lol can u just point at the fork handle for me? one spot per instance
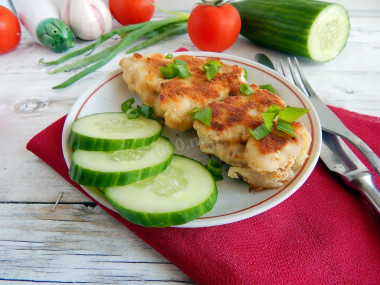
(367, 152)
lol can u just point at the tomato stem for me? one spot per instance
(216, 3)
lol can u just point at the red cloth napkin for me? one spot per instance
(325, 233)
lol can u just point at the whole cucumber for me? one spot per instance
(312, 29)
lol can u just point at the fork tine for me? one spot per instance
(306, 83)
(295, 77)
(280, 68)
(329, 121)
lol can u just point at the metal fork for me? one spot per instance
(329, 121)
(337, 156)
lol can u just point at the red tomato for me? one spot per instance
(214, 28)
(131, 11)
(10, 32)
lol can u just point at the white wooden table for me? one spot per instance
(79, 242)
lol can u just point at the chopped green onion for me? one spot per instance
(266, 128)
(127, 105)
(215, 167)
(176, 69)
(268, 120)
(274, 109)
(212, 68)
(145, 111)
(268, 87)
(245, 89)
(285, 119)
(285, 127)
(169, 56)
(245, 74)
(132, 113)
(168, 72)
(260, 132)
(290, 114)
(203, 115)
(181, 67)
(179, 62)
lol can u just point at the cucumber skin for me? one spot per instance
(167, 219)
(283, 25)
(161, 220)
(89, 177)
(79, 141)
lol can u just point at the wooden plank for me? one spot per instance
(76, 244)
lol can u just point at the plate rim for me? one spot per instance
(235, 216)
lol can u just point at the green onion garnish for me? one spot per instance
(274, 109)
(285, 119)
(268, 120)
(169, 56)
(203, 115)
(268, 87)
(260, 132)
(132, 114)
(127, 104)
(168, 72)
(176, 69)
(285, 127)
(215, 167)
(245, 74)
(211, 68)
(290, 114)
(245, 89)
(145, 111)
(182, 71)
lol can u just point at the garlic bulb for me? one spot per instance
(88, 19)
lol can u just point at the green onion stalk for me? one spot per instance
(153, 31)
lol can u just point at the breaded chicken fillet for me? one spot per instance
(173, 99)
(266, 163)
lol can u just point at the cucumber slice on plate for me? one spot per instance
(102, 169)
(113, 131)
(183, 192)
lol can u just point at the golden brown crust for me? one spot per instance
(266, 163)
(234, 116)
(273, 142)
(236, 110)
(198, 88)
(174, 99)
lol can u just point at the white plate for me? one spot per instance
(234, 202)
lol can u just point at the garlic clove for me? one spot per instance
(105, 15)
(88, 19)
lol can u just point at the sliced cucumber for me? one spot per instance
(113, 131)
(183, 192)
(329, 33)
(102, 169)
